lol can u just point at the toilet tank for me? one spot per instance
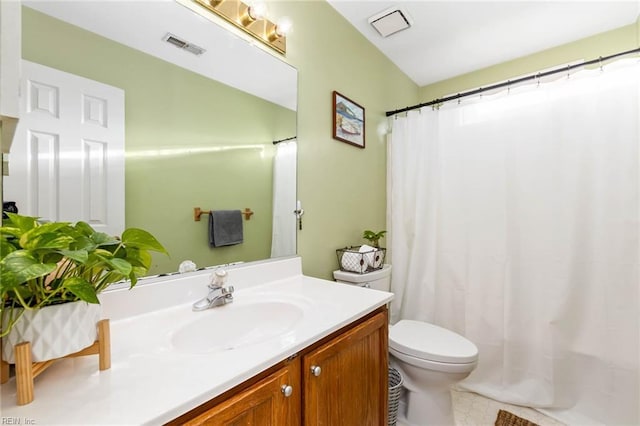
(379, 279)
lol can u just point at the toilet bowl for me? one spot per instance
(430, 359)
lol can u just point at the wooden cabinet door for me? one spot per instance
(263, 404)
(350, 388)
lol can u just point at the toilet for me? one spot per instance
(430, 358)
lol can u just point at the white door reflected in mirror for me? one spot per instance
(67, 159)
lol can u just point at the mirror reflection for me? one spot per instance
(191, 139)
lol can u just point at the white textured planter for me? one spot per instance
(54, 331)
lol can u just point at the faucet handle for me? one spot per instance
(218, 278)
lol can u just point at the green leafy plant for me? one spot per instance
(57, 262)
(373, 237)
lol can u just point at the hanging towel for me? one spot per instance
(225, 228)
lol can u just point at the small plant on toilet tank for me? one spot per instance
(373, 237)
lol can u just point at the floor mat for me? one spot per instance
(506, 418)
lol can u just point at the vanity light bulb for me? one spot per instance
(257, 11)
(283, 27)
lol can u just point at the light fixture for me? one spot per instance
(251, 18)
(256, 11)
(281, 29)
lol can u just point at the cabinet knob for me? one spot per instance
(287, 390)
(316, 370)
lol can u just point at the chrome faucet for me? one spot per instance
(218, 294)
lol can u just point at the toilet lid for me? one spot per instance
(430, 342)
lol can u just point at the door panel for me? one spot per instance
(44, 150)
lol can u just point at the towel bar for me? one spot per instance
(197, 212)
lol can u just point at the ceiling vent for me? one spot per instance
(391, 21)
(182, 44)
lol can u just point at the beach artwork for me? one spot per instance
(348, 120)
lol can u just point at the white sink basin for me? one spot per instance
(234, 325)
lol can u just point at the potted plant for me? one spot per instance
(373, 237)
(375, 259)
(55, 271)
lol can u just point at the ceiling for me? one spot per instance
(450, 37)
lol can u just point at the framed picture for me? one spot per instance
(348, 120)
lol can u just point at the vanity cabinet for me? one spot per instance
(345, 380)
(272, 401)
(340, 380)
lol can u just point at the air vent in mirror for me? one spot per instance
(183, 44)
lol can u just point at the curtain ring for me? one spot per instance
(568, 71)
(508, 87)
(459, 99)
(538, 80)
(600, 61)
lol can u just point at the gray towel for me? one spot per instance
(225, 228)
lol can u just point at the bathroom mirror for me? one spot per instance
(199, 129)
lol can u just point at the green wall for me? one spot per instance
(342, 187)
(182, 149)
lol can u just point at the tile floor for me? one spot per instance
(471, 409)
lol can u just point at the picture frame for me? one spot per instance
(348, 121)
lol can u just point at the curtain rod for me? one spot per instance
(284, 140)
(510, 82)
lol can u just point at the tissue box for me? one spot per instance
(351, 259)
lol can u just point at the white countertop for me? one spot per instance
(150, 380)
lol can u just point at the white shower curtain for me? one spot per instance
(514, 221)
(283, 239)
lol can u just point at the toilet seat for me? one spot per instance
(425, 364)
(419, 340)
